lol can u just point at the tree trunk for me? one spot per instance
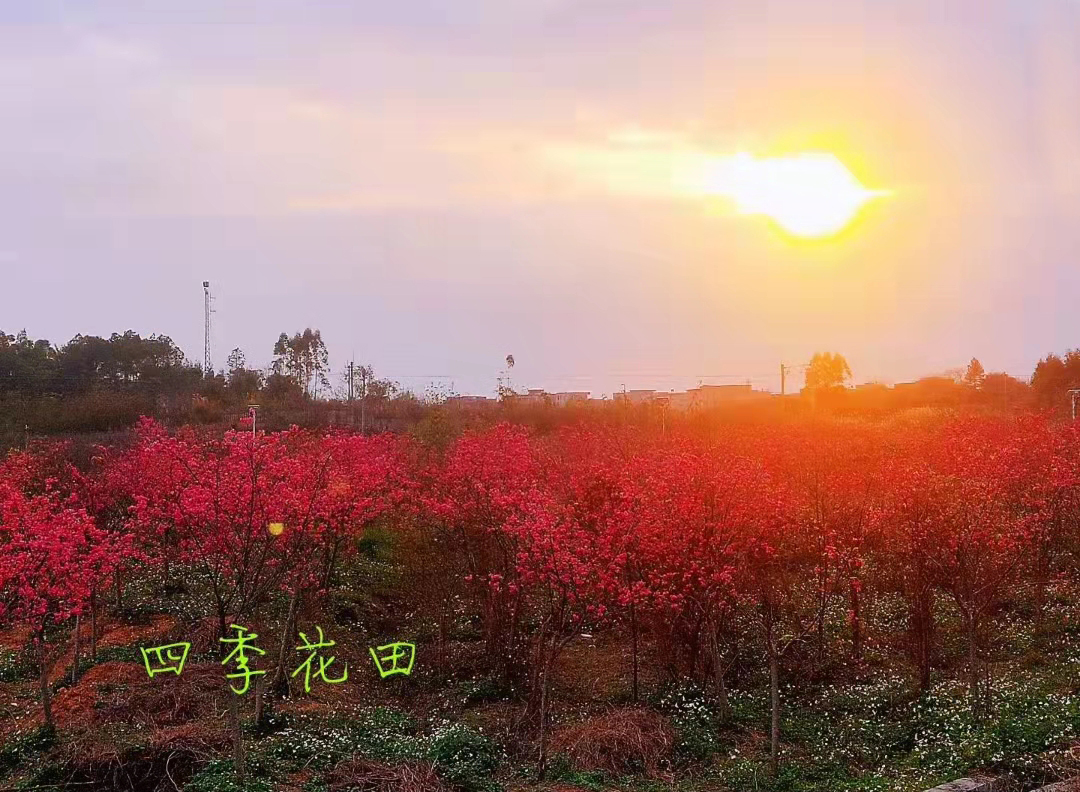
(1039, 628)
(774, 699)
(856, 623)
(280, 684)
(446, 616)
(222, 629)
(634, 649)
(260, 691)
(973, 664)
(718, 677)
(331, 562)
(550, 649)
(512, 674)
(93, 625)
(233, 711)
(821, 621)
(118, 590)
(1042, 582)
(43, 679)
(75, 652)
(237, 735)
(541, 769)
(921, 629)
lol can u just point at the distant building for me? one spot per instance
(470, 401)
(639, 396)
(682, 401)
(563, 398)
(709, 396)
(715, 395)
(703, 397)
(533, 396)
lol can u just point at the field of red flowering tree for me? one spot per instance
(591, 605)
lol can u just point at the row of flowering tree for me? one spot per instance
(685, 541)
(728, 552)
(247, 517)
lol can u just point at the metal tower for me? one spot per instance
(208, 363)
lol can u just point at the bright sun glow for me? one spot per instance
(808, 195)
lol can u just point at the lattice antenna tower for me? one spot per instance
(208, 308)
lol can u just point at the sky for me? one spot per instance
(436, 185)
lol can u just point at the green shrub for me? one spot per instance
(18, 749)
(482, 690)
(385, 733)
(272, 723)
(561, 769)
(464, 757)
(218, 776)
(380, 733)
(695, 720)
(16, 666)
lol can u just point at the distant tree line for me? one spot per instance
(1054, 377)
(96, 384)
(34, 368)
(90, 383)
(100, 384)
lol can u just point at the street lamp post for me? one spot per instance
(252, 410)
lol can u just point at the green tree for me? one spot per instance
(304, 359)
(242, 382)
(827, 370)
(1053, 378)
(27, 368)
(975, 374)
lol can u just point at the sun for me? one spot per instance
(808, 195)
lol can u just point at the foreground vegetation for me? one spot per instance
(802, 605)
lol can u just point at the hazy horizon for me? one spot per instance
(436, 187)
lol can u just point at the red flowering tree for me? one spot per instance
(680, 519)
(778, 569)
(333, 489)
(984, 536)
(832, 473)
(51, 558)
(486, 482)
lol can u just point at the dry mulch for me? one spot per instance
(16, 638)
(368, 776)
(135, 635)
(122, 693)
(619, 742)
(113, 634)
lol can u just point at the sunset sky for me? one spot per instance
(438, 184)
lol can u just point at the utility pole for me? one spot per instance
(785, 370)
(352, 423)
(363, 397)
(1075, 394)
(252, 409)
